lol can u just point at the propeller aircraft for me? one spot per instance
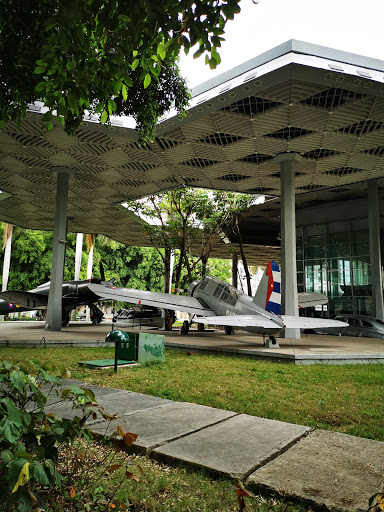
(75, 293)
(215, 302)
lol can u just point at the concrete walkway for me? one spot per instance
(324, 468)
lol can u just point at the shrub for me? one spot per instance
(30, 440)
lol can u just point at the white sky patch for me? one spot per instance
(348, 25)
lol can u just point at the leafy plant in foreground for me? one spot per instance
(31, 439)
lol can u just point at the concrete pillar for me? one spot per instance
(375, 249)
(235, 261)
(289, 300)
(54, 310)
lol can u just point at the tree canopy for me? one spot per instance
(134, 267)
(108, 57)
(192, 221)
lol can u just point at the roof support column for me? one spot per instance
(54, 310)
(375, 250)
(289, 300)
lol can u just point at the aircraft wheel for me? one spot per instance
(228, 330)
(96, 320)
(184, 328)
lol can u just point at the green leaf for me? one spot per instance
(99, 107)
(12, 411)
(147, 80)
(39, 69)
(37, 471)
(10, 430)
(18, 473)
(6, 455)
(124, 92)
(135, 63)
(111, 106)
(40, 86)
(17, 380)
(104, 117)
(128, 81)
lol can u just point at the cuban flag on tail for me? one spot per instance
(273, 299)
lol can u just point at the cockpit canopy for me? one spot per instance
(214, 287)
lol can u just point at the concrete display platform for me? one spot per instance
(310, 349)
(324, 468)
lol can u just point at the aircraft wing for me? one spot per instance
(25, 299)
(301, 322)
(157, 299)
(241, 321)
(308, 299)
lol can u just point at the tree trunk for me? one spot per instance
(243, 258)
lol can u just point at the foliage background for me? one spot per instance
(133, 267)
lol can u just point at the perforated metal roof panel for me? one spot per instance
(324, 104)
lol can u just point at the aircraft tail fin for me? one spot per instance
(268, 294)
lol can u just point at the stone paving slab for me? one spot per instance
(327, 469)
(166, 423)
(234, 447)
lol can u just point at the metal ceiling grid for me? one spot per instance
(293, 102)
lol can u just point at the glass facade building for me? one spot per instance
(333, 257)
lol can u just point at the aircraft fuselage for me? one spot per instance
(225, 300)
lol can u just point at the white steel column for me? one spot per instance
(289, 300)
(54, 310)
(78, 255)
(78, 258)
(375, 249)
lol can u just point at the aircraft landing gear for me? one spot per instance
(96, 314)
(228, 329)
(184, 328)
(65, 318)
(271, 342)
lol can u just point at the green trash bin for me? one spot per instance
(126, 345)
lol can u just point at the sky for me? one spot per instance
(349, 25)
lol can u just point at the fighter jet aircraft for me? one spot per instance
(216, 302)
(75, 293)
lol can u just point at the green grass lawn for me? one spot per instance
(346, 399)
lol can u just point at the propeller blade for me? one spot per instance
(102, 273)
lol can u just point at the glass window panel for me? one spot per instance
(299, 266)
(360, 236)
(342, 264)
(299, 252)
(363, 306)
(314, 240)
(361, 263)
(340, 306)
(338, 250)
(360, 249)
(339, 284)
(314, 252)
(338, 238)
(316, 276)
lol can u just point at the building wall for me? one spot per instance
(333, 256)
